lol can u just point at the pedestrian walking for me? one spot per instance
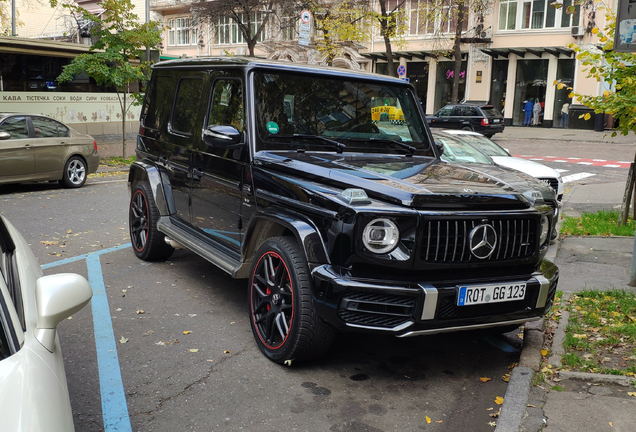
(528, 110)
(536, 112)
(565, 110)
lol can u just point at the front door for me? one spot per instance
(218, 165)
(17, 160)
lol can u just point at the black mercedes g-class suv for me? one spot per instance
(340, 218)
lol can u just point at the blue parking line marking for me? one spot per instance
(498, 343)
(114, 407)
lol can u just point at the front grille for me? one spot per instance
(552, 182)
(448, 309)
(448, 241)
(376, 310)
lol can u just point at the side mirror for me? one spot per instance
(440, 147)
(58, 297)
(5, 135)
(221, 135)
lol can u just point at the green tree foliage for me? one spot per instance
(615, 68)
(339, 23)
(121, 40)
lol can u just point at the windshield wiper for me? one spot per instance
(406, 146)
(338, 145)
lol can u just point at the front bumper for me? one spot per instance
(410, 308)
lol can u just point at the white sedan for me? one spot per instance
(33, 389)
(501, 157)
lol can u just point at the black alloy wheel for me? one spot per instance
(147, 242)
(282, 315)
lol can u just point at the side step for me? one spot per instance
(222, 257)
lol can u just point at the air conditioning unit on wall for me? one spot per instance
(577, 31)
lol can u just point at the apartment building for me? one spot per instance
(512, 53)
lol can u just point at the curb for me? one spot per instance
(515, 400)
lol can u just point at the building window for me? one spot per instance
(223, 30)
(171, 32)
(289, 28)
(535, 14)
(255, 21)
(420, 22)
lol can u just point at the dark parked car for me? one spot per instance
(38, 148)
(279, 173)
(481, 118)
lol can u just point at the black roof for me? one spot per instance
(257, 63)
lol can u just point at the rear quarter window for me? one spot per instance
(157, 103)
(187, 106)
(491, 112)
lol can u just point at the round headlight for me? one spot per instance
(544, 229)
(381, 236)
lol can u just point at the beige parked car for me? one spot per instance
(38, 148)
(33, 389)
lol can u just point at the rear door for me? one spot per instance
(17, 160)
(184, 129)
(441, 118)
(51, 145)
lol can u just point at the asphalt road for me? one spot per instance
(131, 366)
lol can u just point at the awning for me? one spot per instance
(410, 55)
(521, 52)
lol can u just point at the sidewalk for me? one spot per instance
(577, 135)
(589, 403)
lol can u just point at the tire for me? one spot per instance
(147, 242)
(467, 128)
(282, 315)
(74, 174)
(489, 136)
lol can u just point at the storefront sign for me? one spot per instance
(71, 108)
(478, 77)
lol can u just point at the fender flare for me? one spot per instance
(275, 222)
(140, 171)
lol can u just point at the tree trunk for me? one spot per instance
(385, 26)
(123, 127)
(457, 53)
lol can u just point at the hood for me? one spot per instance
(417, 182)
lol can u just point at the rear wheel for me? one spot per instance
(74, 174)
(147, 242)
(467, 128)
(282, 314)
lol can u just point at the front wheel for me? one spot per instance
(147, 242)
(74, 174)
(282, 314)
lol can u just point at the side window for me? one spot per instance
(226, 104)
(159, 95)
(48, 128)
(445, 112)
(16, 127)
(469, 112)
(187, 105)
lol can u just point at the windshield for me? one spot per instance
(309, 110)
(458, 151)
(485, 145)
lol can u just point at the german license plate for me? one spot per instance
(491, 293)
(495, 120)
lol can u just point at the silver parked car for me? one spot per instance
(33, 389)
(38, 148)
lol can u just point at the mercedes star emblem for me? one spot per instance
(482, 240)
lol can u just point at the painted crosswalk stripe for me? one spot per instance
(585, 163)
(577, 176)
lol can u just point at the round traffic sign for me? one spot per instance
(401, 70)
(305, 16)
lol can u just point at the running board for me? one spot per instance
(220, 256)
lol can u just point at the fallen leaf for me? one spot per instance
(287, 362)
(428, 419)
(140, 312)
(70, 317)
(544, 352)
(228, 351)
(118, 309)
(123, 340)
(484, 379)
(506, 378)
(69, 231)
(124, 290)
(611, 424)
(187, 332)
(439, 421)
(631, 394)
(492, 424)
(531, 406)
(194, 350)
(49, 242)
(495, 414)
(580, 336)
(499, 400)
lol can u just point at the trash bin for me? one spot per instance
(599, 122)
(576, 119)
